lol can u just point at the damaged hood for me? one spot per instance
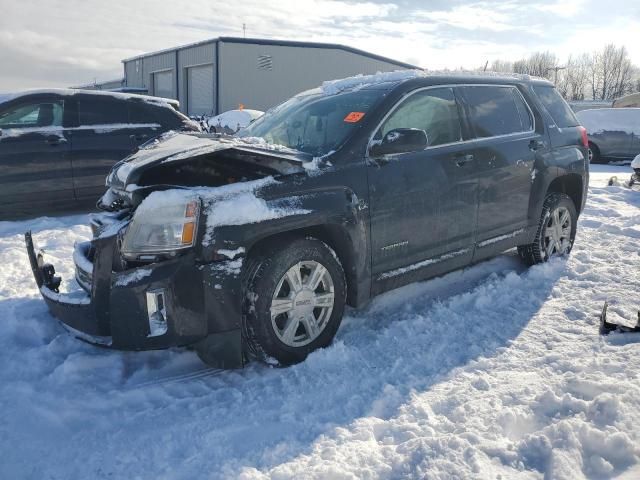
(174, 147)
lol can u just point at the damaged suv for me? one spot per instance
(251, 246)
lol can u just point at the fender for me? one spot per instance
(335, 215)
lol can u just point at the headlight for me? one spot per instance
(162, 225)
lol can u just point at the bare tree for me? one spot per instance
(611, 73)
(603, 75)
(539, 64)
(573, 80)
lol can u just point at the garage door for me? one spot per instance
(200, 90)
(163, 84)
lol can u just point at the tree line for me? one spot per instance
(603, 75)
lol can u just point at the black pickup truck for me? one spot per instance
(251, 246)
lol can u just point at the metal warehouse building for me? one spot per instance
(216, 75)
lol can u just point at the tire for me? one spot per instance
(285, 317)
(594, 153)
(542, 247)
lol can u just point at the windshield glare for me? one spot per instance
(315, 124)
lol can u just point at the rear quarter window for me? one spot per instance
(559, 110)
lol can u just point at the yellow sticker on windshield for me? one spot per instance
(354, 117)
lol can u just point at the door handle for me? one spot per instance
(462, 160)
(536, 144)
(139, 138)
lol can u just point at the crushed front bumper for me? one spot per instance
(175, 302)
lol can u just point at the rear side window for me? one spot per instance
(434, 110)
(495, 111)
(559, 110)
(101, 111)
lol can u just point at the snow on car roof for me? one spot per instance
(4, 97)
(599, 120)
(333, 87)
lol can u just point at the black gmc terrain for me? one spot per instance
(250, 246)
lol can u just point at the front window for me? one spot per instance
(316, 124)
(33, 115)
(434, 110)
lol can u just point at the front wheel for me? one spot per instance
(295, 300)
(556, 230)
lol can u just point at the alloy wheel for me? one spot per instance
(302, 303)
(557, 233)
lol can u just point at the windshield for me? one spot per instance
(316, 124)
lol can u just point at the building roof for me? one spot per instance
(283, 43)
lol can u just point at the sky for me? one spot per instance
(57, 43)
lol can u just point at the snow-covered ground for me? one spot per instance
(492, 372)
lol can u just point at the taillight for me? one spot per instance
(585, 137)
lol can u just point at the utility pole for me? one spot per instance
(555, 70)
(244, 30)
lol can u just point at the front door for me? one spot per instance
(423, 204)
(35, 165)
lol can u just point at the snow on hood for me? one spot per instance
(636, 162)
(601, 120)
(5, 97)
(173, 146)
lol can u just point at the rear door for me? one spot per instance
(102, 137)
(35, 164)
(505, 149)
(423, 204)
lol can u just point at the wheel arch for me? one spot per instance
(571, 185)
(339, 239)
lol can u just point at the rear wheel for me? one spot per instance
(295, 301)
(556, 230)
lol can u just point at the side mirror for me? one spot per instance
(400, 140)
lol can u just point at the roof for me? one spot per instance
(282, 43)
(75, 91)
(389, 80)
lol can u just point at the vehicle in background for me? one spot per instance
(632, 100)
(250, 246)
(232, 121)
(58, 145)
(614, 133)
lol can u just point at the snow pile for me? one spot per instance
(495, 371)
(233, 120)
(333, 87)
(133, 277)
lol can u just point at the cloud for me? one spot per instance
(67, 42)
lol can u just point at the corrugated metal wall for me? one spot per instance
(139, 72)
(261, 76)
(256, 75)
(203, 54)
